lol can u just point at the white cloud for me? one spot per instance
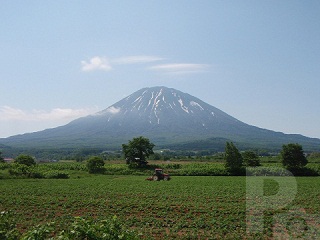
(102, 63)
(17, 121)
(113, 110)
(96, 63)
(8, 113)
(136, 59)
(180, 68)
(61, 113)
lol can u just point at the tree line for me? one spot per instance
(292, 156)
(138, 150)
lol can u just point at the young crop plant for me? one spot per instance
(189, 207)
(80, 229)
(8, 227)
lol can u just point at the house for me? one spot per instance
(8, 160)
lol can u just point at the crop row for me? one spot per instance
(174, 169)
(193, 207)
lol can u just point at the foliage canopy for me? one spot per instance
(1, 158)
(233, 158)
(25, 159)
(95, 165)
(292, 156)
(137, 151)
(250, 159)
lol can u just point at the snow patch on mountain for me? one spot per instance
(195, 104)
(183, 107)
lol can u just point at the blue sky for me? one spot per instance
(256, 60)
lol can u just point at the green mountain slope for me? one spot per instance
(166, 116)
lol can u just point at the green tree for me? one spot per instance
(233, 159)
(25, 159)
(292, 156)
(1, 158)
(314, 156)
(137, 151)
(250, 159)
(95, 165)
(156, 156)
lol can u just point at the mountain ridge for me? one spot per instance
(165, 115)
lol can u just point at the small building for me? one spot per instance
(8, 160)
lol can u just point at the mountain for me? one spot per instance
(165, 115)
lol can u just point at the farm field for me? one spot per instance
(198, 207)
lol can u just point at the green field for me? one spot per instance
(198, 207)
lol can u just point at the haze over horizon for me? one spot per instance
(256, 61)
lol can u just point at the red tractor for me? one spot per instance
(159, 175)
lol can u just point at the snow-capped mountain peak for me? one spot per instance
(161, 105)
(165, 115)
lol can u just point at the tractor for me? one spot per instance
(159, 175)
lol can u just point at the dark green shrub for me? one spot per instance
(233, 159)
(36, 175)
(292, 157)
(24, 171)
(95, 165)
(56, 175)
(250, 159)
(25, 159)
(1, 158)
(4, 166)
(17, 169)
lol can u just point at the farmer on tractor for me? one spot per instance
(159, 175)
